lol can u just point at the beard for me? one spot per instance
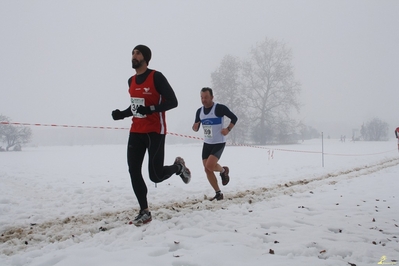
(136, 64)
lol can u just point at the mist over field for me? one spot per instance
(69, 62)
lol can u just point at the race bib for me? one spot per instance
(135, 103)
(207, 131)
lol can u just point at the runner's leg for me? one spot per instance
(135, 155)
(210, 164)
(156, 154)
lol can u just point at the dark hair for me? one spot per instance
(207, 89)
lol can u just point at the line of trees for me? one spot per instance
(13, 135)
(375, 130)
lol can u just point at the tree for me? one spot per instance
(272, 90)
(227, 88)
(13, 135)
(375, 130)
(307, 132)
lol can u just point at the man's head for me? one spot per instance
(207, 97)
(140, 53)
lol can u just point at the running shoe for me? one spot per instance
(144, 217)
(225, 176)
(218, 196)
(184, 173)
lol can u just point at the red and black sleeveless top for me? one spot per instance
(146, 94)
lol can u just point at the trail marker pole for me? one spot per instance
(322, 150)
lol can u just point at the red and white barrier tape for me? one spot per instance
(271, 151)
(55, 125)
(91, 127)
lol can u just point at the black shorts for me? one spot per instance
(212, 149)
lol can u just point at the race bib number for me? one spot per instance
(135, 103)
(207, 131)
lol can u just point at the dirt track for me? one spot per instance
(16, 239)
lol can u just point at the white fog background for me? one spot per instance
(67, 62)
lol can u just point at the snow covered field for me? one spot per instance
(72, 205)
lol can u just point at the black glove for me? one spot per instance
(144, 110)
(117, 114)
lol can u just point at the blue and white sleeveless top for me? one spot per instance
(212, 126)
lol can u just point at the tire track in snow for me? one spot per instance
(79, 228)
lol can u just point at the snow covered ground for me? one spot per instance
(72, 206)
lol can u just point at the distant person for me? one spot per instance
(211, 116)
(396, 134)
(150, 95)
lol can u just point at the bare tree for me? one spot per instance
(228, 89)
(272, 89)
(375, 130)
(13, 135)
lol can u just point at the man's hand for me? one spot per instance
(144, 110)
(117, 114)
(225, 131)
(196, 126)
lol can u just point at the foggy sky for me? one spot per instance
(68, 62)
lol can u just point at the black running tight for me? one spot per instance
(138, 144)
